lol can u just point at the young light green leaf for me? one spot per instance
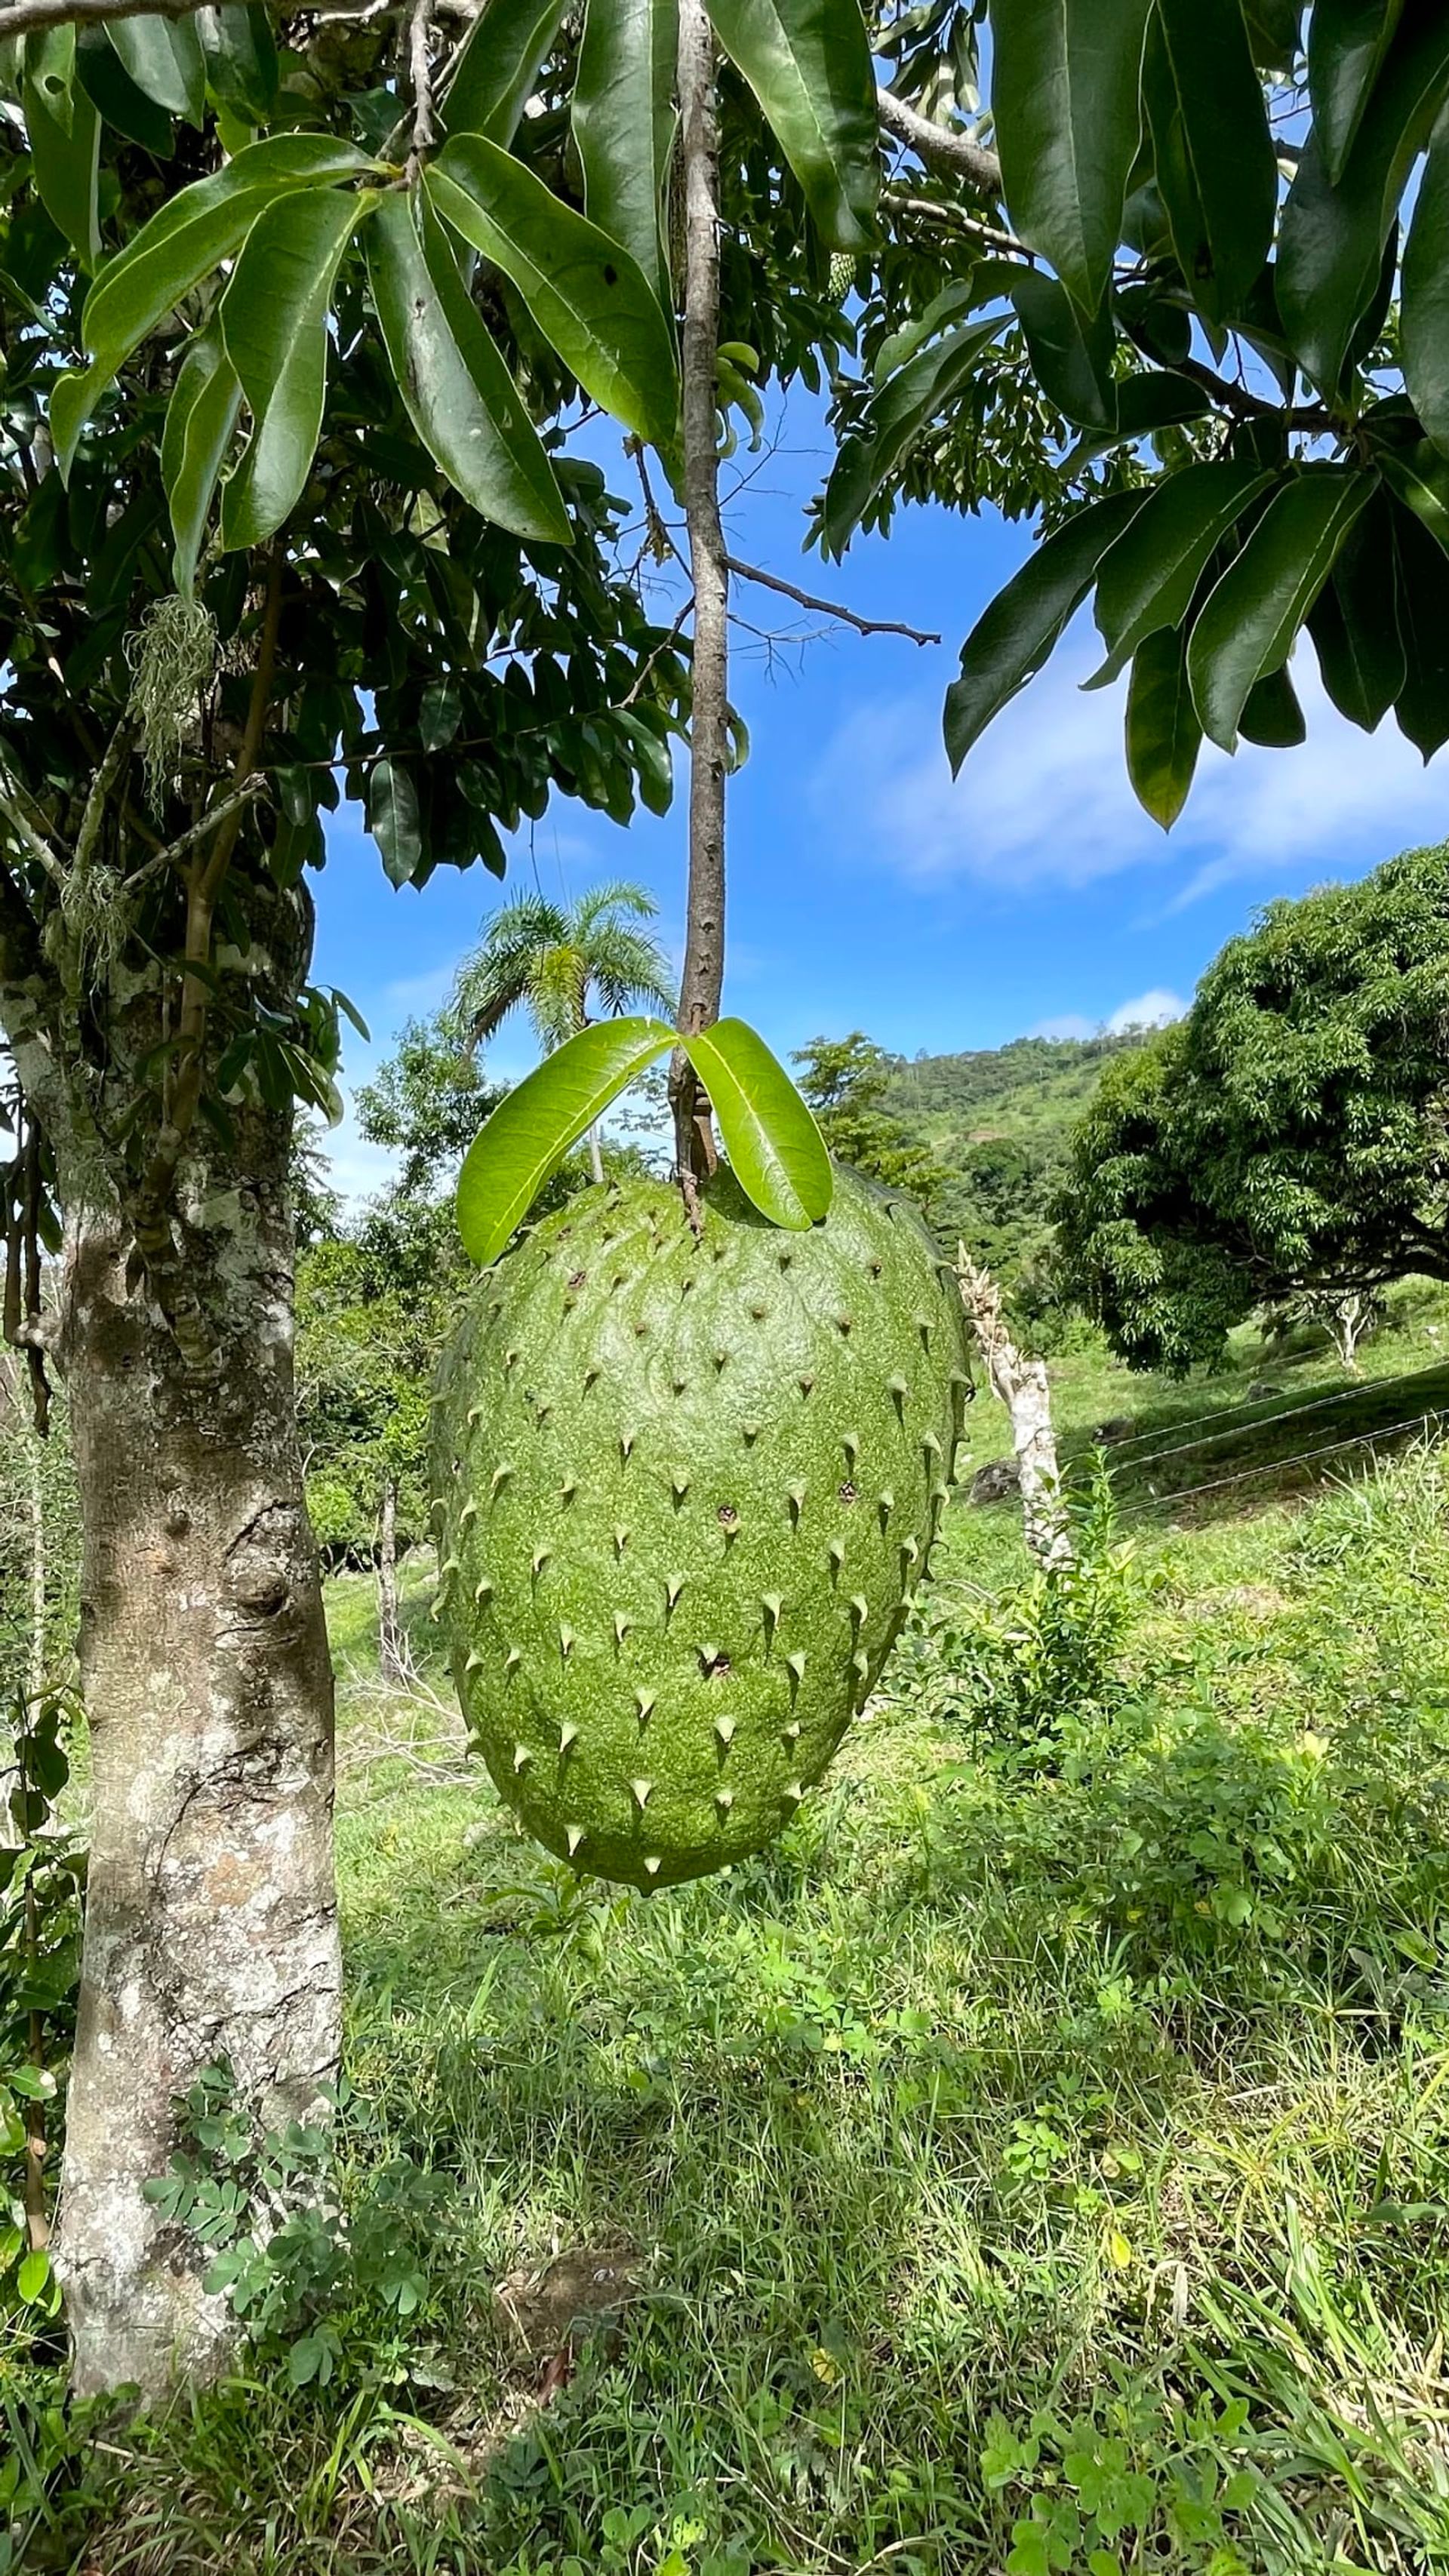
(1332, 238)
(809, 65)
(776, 1151)
(183, 242)
(1008, 645)
(534, 1125)
(201, 420)
(1065, 91)
(1163, 733)
(588, 296)
(623, 119)
(1200, 86)
(65, 156)
(899, 412)
(1348, 41)
(459, 394)
(1247, 627)
(499, 65)
(241, 59)
(163, 57)
(1424, 316)
(273, 319)
(1147, 577)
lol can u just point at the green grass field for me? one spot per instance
(1018, 2168)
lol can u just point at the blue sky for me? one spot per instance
(869, 891)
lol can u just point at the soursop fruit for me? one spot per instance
(685, 1486)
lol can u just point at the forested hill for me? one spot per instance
(998, 1120)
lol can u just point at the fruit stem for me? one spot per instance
(703, 977)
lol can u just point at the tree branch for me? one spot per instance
(934, 144)
(826, 607)
(931, 210)
(422, 78)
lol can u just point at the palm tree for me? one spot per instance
(554, 958)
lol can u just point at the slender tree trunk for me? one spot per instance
(37, 2220)
(1021, 1385)
(211, 1927)
(389, 1626)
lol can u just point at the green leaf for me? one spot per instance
(65, 155)
(273, 319)
(1065, 92)
(163, 57)
(459, 395)
(1247, 627)
(1272, 715)
(499, 65)
(623, 120)
(590, 299)
(1424, 314)
(32, 2276)
(1420, 477)
(111, 89)
(903, 407)
(1354, 622)
(394, 819)
(1147, 578)
(1072, 361)
(1163, 733)
(1148, 403)
(776, 1151)
(182, 243)
(1332, 238)
(1422, 706)
(201, 421)
(241, 60)
(1214, 158)
(1348, 41)
(533, 1127)
(809, 65)
(1008, 645)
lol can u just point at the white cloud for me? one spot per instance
(1067, 1024)
(1043, 800)
(1154, 1010)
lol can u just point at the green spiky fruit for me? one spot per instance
(685, 1486)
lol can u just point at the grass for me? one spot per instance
(1026, 2165)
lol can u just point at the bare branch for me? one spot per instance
(422, 78)
(956, 221)
(937, 145)
(826, 607)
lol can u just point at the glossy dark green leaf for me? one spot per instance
(1146, 404)
(1424, 316)
(1065, 93)
(273, 319)
(201, 421)
(462, 401)
(393, 818)
(1422, 707)
(589, 297)
(183, 242)
(111, 89)
(1272, 715)
(904, 406)
(1213, 153)
(163, 57)
(1147, 578)
(499, 66)
(776, 1151)
(1009, 644)
(65, 154)
(623, 120)
(1071, 358)
(1419, 477)
(1354, 622)
(1273, 32)
(1332, 238)
(809, 65)
(241, 60)
(1348, 41)
(532, 1128)
(1247, 627)
(1163, 733)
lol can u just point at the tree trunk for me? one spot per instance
(389, 1626)
(211, 1925)
(1021, 1385)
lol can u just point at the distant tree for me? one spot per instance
(846, 1081)
(1289, 1140)
(552, 960)
(426, 1103)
